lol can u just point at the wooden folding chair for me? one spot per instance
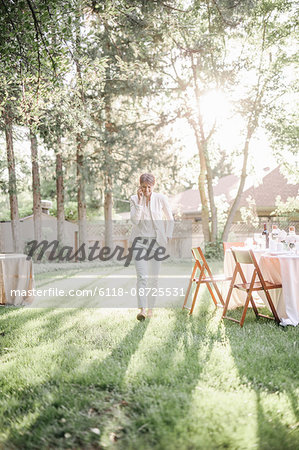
(244, 256)
(227, 245)
(205, 277)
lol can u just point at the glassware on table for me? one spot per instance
(273, 243)
(274, 233)
(265, 235)
(249, 242)
(291, 239)
(279, 246)
(257, 239)
(261, 243)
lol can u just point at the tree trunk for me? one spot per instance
(201, 143)
(235, 205)
(205, 213)
(108, 203)
(201, 185)
(81, 193)
(59, 194)
(80, 143)
(12, 184)
(209, 176)
(37, 207)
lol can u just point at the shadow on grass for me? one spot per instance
(13, 322)
(77, 396)
(90, 392)
(163, 387)
(266, 362)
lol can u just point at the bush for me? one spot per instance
(214, 250)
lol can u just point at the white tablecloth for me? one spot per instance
(16, 273)
(282, 269)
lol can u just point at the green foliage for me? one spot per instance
(23, 212)
(119, 74)
(70, 211)
(214, 250)
(288, 209)
(249, 214)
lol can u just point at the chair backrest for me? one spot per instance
(246, 256)
(200, 259)
(227, 245)
(198, 254)
(242, 256)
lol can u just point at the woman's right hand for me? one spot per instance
(139, 193)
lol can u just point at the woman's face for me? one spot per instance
(147, 189)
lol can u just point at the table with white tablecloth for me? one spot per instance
(283, 269)
(16, 279)
(277, 268)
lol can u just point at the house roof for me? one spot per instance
(189, 200)
(273, 184)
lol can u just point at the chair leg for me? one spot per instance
(198, 283)
(215, 287)
(212, 294)
(272, 307)
(194, 298)
(218, 293)
(187, 293)
(254, 307)
(245, 310)
(189, 286)
(229, 293)
(249, 299)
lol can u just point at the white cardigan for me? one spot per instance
(160, 210)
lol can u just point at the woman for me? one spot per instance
(147, 211)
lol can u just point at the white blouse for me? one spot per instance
(161, 218)
(146, 226)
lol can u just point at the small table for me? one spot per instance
(16, 279)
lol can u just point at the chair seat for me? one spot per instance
(257, 286)
(216, 278)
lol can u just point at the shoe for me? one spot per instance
(140, 316)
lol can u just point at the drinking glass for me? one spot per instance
(292, 244)
(256, 237)
(249, 242)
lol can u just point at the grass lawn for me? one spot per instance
(97, 378)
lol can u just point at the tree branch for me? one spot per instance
(38, 29)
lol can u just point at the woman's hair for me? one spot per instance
(147, 178)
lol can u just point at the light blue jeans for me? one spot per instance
(147, 274)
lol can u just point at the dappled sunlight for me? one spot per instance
(227, 419)
(220, 371)
(275, 416)
(168, 376)
(151, 352)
